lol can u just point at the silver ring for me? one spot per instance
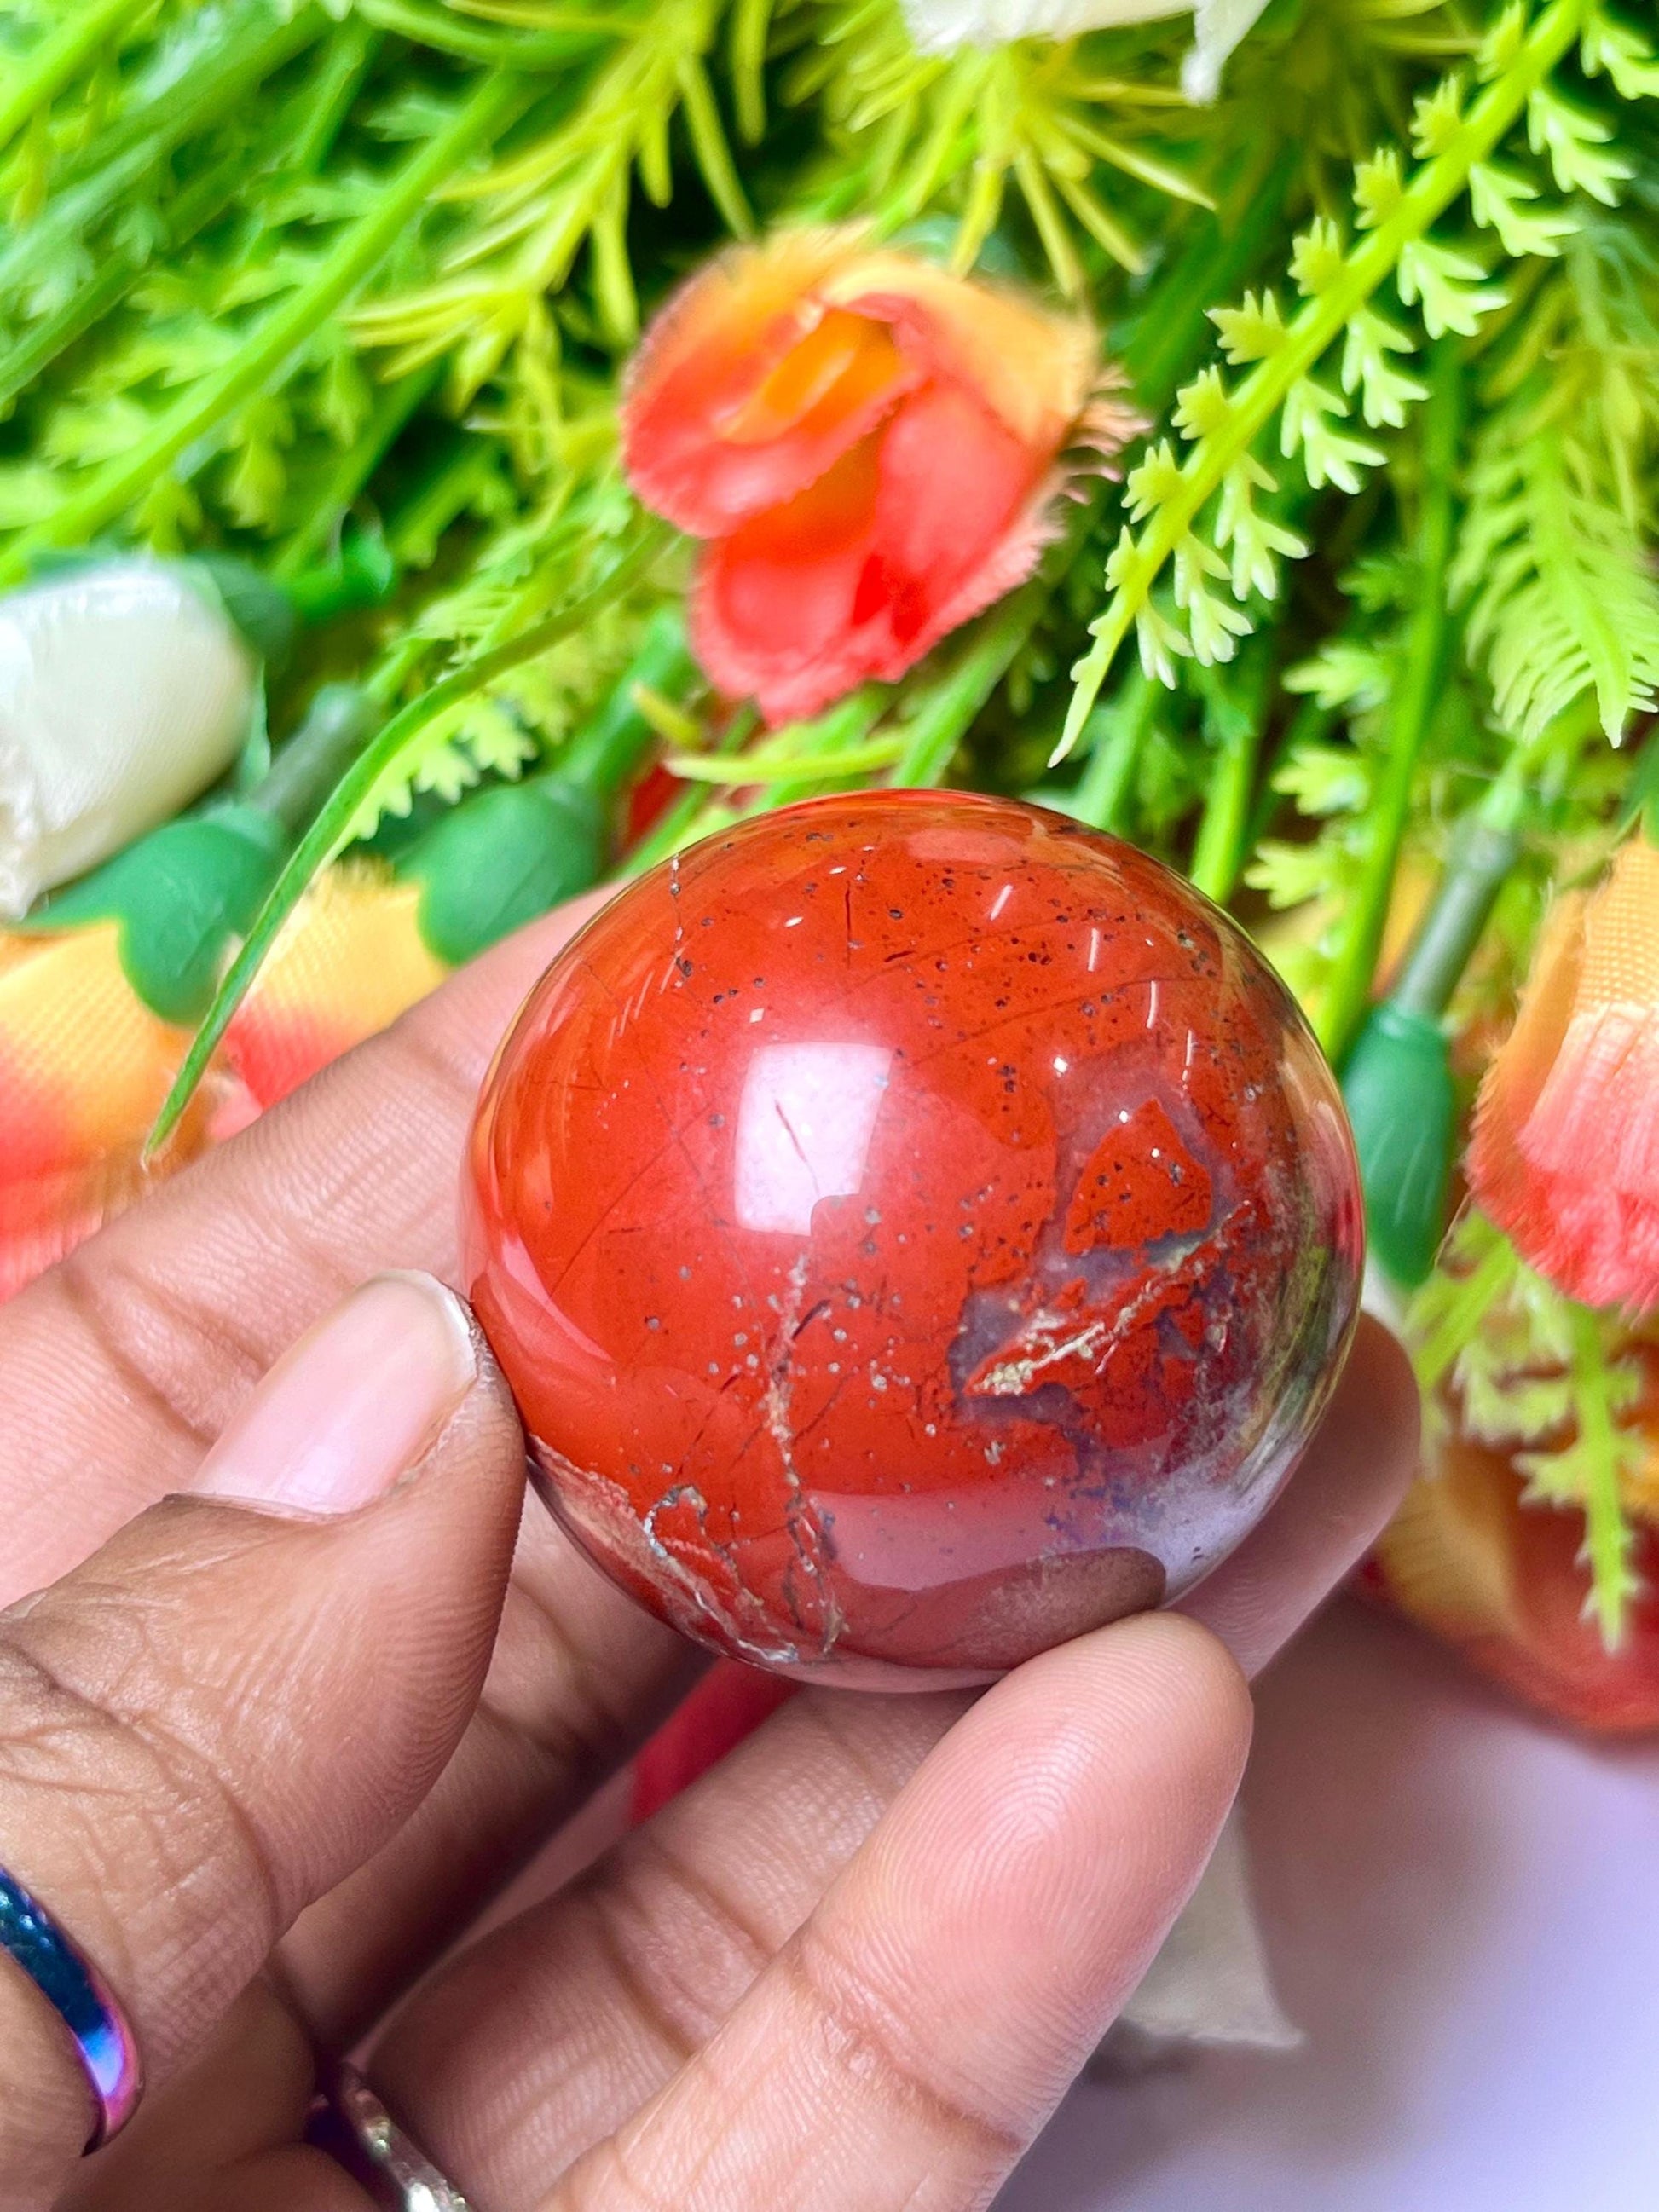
(355, 2128)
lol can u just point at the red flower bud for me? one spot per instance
(871, 447)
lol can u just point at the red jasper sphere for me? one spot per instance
(916, 1228)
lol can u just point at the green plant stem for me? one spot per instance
(1473, 1297)
(1348, 990)
(451, 33)
(1165, 342)
(1218, 853)
(1436, 185)
(829, 768)
(1118, 731)
(55, 61)
(843, 726)
(347, 61)
(949, 708)
(322, 839)
(304, 770)
(604, 752)
(142, 139)
(1607, 1534)
(1222, 845)
(1451, 929)
(88, 304)
(679, 822)
(353, 470)
(258, 363)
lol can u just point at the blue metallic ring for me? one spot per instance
(75, 1989)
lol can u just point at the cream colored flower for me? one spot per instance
(125, 691)
(939, 26)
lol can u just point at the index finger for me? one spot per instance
(120, 1366)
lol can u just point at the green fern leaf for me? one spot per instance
(1561, 596)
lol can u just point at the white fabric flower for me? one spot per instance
(939, 26)
(124, 692)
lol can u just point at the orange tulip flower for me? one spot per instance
(1565, 1154)
(871, 447)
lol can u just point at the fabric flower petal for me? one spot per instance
(123, 694)
(351, 960)
(84, 1065)
(870, 446)
(1505, 1582)
(750, 385)
(1031, 370)
(939, 27)
(1565, 1153)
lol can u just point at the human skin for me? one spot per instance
(268, 1763)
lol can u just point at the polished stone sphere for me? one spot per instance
(916, 1228)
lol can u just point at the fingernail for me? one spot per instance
(352, 1407)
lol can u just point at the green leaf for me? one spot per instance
(502, 858)
(1450, 286)
(1437, 117)
(1254, 332)
(1202, 407)
(180, 895)
(1626, 56)
(1575, 142)
(1561, 593)
(1255, 542)
(1328, 455)
(1316, 257)
(332, 823)
(1161, 643)
(1495, 197)
(1385, 394)
(1154, 479)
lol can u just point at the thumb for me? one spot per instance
(242, 1696)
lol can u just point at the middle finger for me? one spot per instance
(539, 2040)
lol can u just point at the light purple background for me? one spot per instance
(1462, 1906)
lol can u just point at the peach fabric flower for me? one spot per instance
(351, 960)
(84, 1064)
(1565, 1154)
(1504, 1581)
(871, 447)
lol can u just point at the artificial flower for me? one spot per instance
(1565, 1153)
(939, 26)
(1502, 1577)
(125, 689)
(84, 1065)
(351, 960)
(871, 447)
(98, 990)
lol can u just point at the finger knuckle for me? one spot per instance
(862, 2036)
(679, 1992)
(95, 1780)
(169, 1357)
